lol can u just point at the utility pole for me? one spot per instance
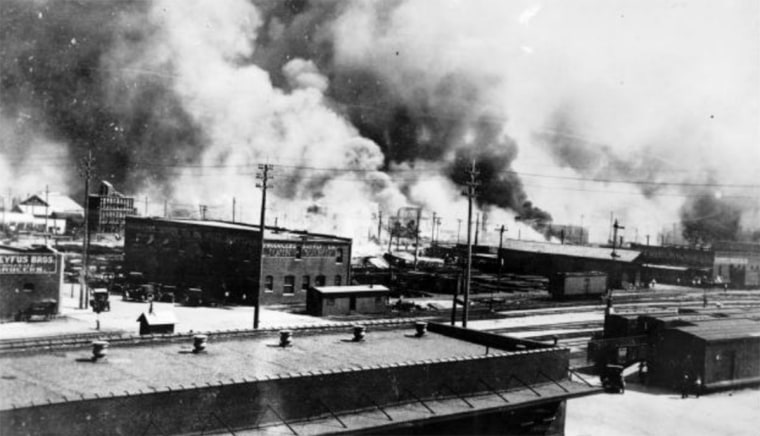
(398, 236)
(498, 255)
(166, 208)
(263, 176)
(379, 225)
(203, 208)
(233, 209)
(47, 212)
(647, 240)
(459, 229)
(146, 206)
(417, 236)
(477, 227)
(471, 185)
(432, 236)
(615, 228)
(86, 172)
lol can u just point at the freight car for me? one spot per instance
(587, 284)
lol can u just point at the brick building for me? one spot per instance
(28, 276)
(393, 381)
(223, 259)
(108, 210)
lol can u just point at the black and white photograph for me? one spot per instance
(380, 217)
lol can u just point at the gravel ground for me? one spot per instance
(645, 411)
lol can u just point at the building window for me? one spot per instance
(269, 284)
(338, 280)
(28, 287)
(320, 281)
(289, 285)
(305, 283)
(299, 251)
(339, 256)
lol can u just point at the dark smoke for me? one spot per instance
(54, 63)
(411, 124)
(565, 140)
(73, 63)
(706, 219)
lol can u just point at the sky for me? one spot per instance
(573, 111)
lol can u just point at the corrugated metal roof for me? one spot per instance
(586, 251)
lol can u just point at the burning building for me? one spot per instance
(108, 209)
(225, 259)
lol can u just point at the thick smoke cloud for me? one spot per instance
(57, 82)
(707, 218)
(180, 101)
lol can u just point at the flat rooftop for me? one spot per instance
(52, 375)
(271, 233)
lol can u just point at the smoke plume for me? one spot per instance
(383, 103)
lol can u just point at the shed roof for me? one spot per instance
(723, 330)
(158, 318)
(352, 290)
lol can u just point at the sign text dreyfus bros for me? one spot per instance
(27, 263)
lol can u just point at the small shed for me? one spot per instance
(343, 300)
(156, 322)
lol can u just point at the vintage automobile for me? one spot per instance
(46, 309)
(99, 301)
(613, 380)
(141, 292)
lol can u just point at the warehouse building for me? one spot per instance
(59, 212)
(398, 378)
(108, 210)
(223, 259)
(29, 277)
(622, 266)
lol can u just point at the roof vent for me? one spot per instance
(421, 328)
(286, 338)
(199, 343)
(99, 350)
(359, 333)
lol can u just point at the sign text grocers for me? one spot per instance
(27, 264)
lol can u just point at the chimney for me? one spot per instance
(199, 343)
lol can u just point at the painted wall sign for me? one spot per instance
(27, 264)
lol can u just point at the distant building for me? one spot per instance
(63, 213)
(108, 210)
(27, 276)
(566, 233)
(623, 269)
(223, 259)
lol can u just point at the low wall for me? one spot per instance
(247, 403)
(488, 339)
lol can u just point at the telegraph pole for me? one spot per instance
(471, 185)
(432, 235)
(263, 176)
(417, 236)
(379, 225)
(203, 208)
(86, 172)
(233, 209)
(47, 212)
(459, 229)
(498, 255)
(615, 228)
